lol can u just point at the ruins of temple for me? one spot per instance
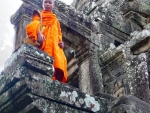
(107, 49)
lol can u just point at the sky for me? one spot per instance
(7, 9)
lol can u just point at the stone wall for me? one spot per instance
(125, 73)
(125, 15)
(123, 68)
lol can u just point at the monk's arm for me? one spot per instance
(32, 30)
(59, 31)
(60, 43)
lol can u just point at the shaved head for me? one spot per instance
(48, 5)
(43, 0)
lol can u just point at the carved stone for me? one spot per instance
(107, 49)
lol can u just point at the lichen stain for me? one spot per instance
(70, 96)
(91, 103)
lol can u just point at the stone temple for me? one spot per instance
(107, 48)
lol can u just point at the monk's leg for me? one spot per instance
(59, 74)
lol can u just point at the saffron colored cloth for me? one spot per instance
(53, 35)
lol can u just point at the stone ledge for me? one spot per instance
(41, 105)
(141, 46)
(30, 57)
(140, 41)
(44, 87)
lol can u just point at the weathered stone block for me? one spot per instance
(129, 104)
(41, 105)
(30, 57)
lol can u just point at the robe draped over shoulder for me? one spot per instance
(53, 35)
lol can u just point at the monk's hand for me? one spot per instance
(40, 38)
(61, 44)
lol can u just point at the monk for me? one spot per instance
(45, 30)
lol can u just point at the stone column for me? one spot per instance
(82, 56)
(90, 78)
(141, 84)
(84, 77)
(96, 75)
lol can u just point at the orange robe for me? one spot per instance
(53, 35)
